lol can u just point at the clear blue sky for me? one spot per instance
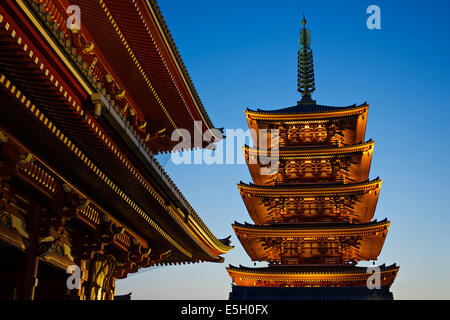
(243, 54)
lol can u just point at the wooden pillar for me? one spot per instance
(111, 289)
(28, 268)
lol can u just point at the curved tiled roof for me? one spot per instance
(311, 269)
(83, 136)
(309, 186)
(173, 46)
(311, 226)
(310, 147)
(307, 108)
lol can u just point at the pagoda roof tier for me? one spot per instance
(313, 242)
(304, 202)
(306, 111)
(306, 275)
(311, 125)
(320, 227)
(308, 189)
(311, 163)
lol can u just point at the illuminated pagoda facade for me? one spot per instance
(86, 102)
(313, 213)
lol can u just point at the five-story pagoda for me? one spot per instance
(313, 212)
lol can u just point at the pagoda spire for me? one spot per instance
(312, 207)
(306, 83)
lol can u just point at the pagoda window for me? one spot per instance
(292, 169)
(327, 169)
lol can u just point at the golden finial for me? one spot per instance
(306, 83)
(304, 21)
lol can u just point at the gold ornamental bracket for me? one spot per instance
(100, 102)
